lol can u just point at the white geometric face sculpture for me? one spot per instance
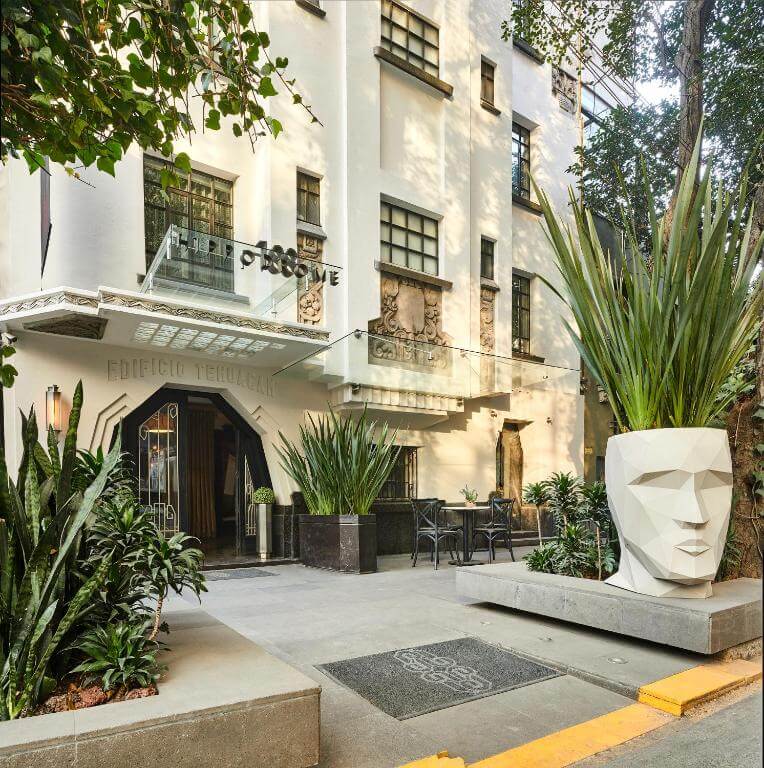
(670, 494)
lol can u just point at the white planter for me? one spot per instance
(670, 494)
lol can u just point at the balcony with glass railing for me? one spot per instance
(263, 281)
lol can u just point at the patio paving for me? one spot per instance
(309, 617)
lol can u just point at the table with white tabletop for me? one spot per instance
(468, 519)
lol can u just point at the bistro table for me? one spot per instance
(468, 520)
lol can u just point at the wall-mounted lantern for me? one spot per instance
(53, 408)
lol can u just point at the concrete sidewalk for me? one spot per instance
(308, 617)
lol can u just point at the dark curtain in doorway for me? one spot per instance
(201, 472)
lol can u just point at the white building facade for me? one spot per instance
(407, 278)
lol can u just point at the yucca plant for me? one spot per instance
(535, 493)
(662, 331)
(563, 496)
(341, 463)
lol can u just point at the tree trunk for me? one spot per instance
(689, 63)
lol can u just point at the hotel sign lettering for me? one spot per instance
(275, 259)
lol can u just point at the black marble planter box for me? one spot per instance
(346, 543)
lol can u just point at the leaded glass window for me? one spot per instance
(408, 239)
(521, 314)
(408, 35)
(521, 161)
(308, 198)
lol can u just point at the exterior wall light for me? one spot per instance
(53, 408)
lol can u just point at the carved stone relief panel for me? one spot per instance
(564, 87)
(487, 340)
(411, 311)
(310, 296)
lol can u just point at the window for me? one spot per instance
(486, 257)
(521, 161)
(408, 239)
(409, 36)
(487, 77)
(401, 482)
(201, 202)
(594, 109)
(308, 199)
(521, 314)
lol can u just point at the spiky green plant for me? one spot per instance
(341, 463)
(39, 538)
(563, 495)
(662, 332)
(535, 493)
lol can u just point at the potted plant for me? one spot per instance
(470, 496)
(263, 497)
(339, 465)
(661, 332)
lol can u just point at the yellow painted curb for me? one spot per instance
(580, 741)
(441, 760)
(680, 692)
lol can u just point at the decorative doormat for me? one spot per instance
(414, 681)
(235, 573)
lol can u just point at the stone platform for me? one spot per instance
(733, 615)
(224, 701)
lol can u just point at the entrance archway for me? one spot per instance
(197, 463)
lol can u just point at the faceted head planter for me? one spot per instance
(670, 493)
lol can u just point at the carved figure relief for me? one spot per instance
(411, 311)
(310, 296)
(564, 87)
(487, 340)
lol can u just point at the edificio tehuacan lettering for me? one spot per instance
(149, 367)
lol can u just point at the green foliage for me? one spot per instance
(7, 372)
(563, 497)
(263, 495)
(535, 493)
(340, 464)
(732, 554)
(119, 656)
(75, 555)
(542, 559)
(470, 494)
(662, 341)
(595, 506)
(83, 80)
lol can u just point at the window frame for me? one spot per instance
(521, 158)
(521, 311)
(213, 223)
(309, 177)
(483, 253)
(406, 465)
(403, 50)
(389, 243)
(487, 75)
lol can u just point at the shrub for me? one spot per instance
(263, 495)
(119, 656)
(542, 558)
(340, 464)
(563, 497)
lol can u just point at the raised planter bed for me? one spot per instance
(730, 617)
(224, 701)
(346, 543)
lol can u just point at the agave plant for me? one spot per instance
(662, 332)
(40, 534)
(341, 463)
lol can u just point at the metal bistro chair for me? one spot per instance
(498, 526)
(428, 524)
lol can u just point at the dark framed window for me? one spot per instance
(487, 78)
(201, 202)
(521, 314)
(408, 239)
(408, 35)
(308, 198)
(401, 483)
(486, 257)
(521, 161)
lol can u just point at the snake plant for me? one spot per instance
(41, 526)
(662, 331)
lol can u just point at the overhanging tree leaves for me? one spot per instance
(82, 80)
